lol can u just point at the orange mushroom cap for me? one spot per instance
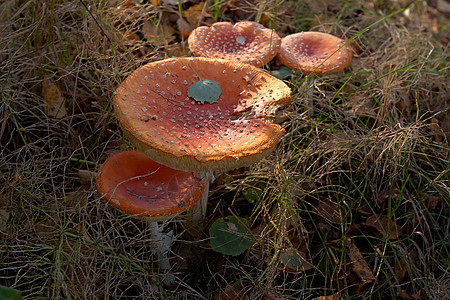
(247, 42)
(134, 184)
(162, 121)
(314, 52)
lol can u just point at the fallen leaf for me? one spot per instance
(239, 9)
(184, 27)
(329, 211)
(359, 106)
(56, 103)
(232, 291)
(86, 178)
(329, 297)
(271, 296)
(174, 2)
(401, 267)
(361, 275)
(319, 6)
(129, 12)
(195, 14)
(293, 261)
(159, 35)
(4, 216)
(387, 227)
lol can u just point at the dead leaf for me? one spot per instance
(184, 27)
(4, 217)
(56, 103)
(232, 291)
(329, 211)
(329, 297)
(359, 106)
(177, 50)
(387, 227)
(271, 296)
(319, 6)
(159, 35)
(401, 267)
(128, 11)
(86, 178)
(361, 275)
(195, 14)
(294, 261)
(174, 2)
(239, 9)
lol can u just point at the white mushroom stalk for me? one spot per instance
(201, 207)
(161, 243)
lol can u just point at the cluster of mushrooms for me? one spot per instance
(185, 135)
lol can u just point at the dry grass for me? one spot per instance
(375, 145)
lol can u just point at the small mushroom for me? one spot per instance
(247, 42)
(158, 116)
(136, 185)
(312, 51)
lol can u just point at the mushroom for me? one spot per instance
(157, 115)
(247, 42)
(314, 52)
(136, 185)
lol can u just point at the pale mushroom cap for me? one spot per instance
(314, 52)
(247, 42)
(136, 185)
(173, 129)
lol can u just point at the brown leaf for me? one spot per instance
(364, 276)
(174, 2)
(129, 12)
(232, 291)
(319, 6)
(239, 9)
(329, 297)
(329, 211)
(195, 14)
(184, 27)
(401, 267)
(54, 99)
(359, 106)
(159, 35)
(387, 227)
(86, 177)
(4, 217)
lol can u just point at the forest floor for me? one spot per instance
(352, 204)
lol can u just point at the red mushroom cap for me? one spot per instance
(157, 115)
(310, 52)
(134, 184)
(247, 42)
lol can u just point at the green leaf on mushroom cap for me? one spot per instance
(231, 237)
(205, 90)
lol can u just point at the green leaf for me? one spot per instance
(231, 236)
(7, 293)
(281, 73)
(294, 261)
(205, 91)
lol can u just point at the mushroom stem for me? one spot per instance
(309, 102)
(162, 242)
(201, 206)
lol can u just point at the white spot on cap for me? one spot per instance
(240, 39)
